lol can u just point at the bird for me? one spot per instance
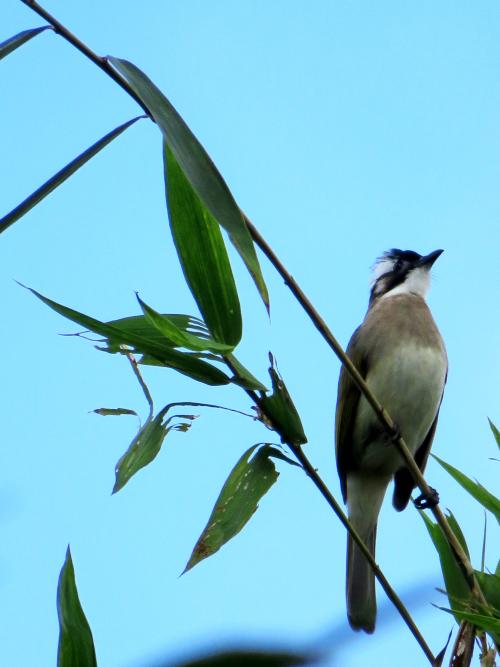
(402, 357)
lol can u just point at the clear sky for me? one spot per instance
(343, 129)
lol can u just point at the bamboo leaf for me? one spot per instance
(61, 176)
(178, 335)
(76, 646)
(456, 586)
(242, 375)
(116, 336)
(489, 624)
(116, 412)
(21, 38)
(203, 255)
(495, 432)
(248, 482)
(197, 166)
(282, 412)
(143, 449)
(490, 585)
(476, 490)
(253, 658)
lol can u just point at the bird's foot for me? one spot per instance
(396, 433)
(427, 501)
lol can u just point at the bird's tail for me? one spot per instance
(360, 587)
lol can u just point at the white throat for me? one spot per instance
(417, 282)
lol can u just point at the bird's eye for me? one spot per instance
(398, 265)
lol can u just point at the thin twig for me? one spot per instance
(101, 62)
(327, 495)
(144, 386)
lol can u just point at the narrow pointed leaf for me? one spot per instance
(141, 344)
(21, 38)
(248, 482)
(197, 166)
(282, 412)
(203, 255)
(76, 646)
(142, 450)
(476, 490)
(242, 375)
(495, 432)
(456, 586)
(490, 585)
(106, 412)
(61, 176)
(489, 624)
(181, 337)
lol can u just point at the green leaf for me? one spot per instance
(117, 336)
(197, 166)
(454, 525)
(202, 254)
(242, 375)
(181, 338)
(490, 585)
(107, 412)
(456, 586)
(495, 432)
(281, 411)
(248, 482)
(489, 624)
(13, 43)
(76, 646)
(145, 446)
(61, 176)
(476, 490)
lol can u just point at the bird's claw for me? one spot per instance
(427, 501)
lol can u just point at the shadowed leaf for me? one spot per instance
(76, 646)
(21, 38)
(116, 336)
(145, 446)
(476, 490)
(197, 166)
(61, 176)
(242, 375)
(202, 254)
(253, 658)
(248, 482)
(279, 407)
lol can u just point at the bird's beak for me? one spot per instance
(428, 260)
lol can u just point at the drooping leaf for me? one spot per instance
(76, 646)
(202, 254)
(456, 586)
(145, 446)
(248, 482)
(61, 176)
(282, 412)
(197, 166)
(107, 412)
(116, 336)
(476, 490)
(180, 337)
(495, 432)
(21, 38)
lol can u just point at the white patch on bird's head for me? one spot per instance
(383, 265)
(417, 282)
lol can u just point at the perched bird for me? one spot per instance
(400, 353)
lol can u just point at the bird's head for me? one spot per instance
(402, 272)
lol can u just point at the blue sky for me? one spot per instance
(343, 129)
